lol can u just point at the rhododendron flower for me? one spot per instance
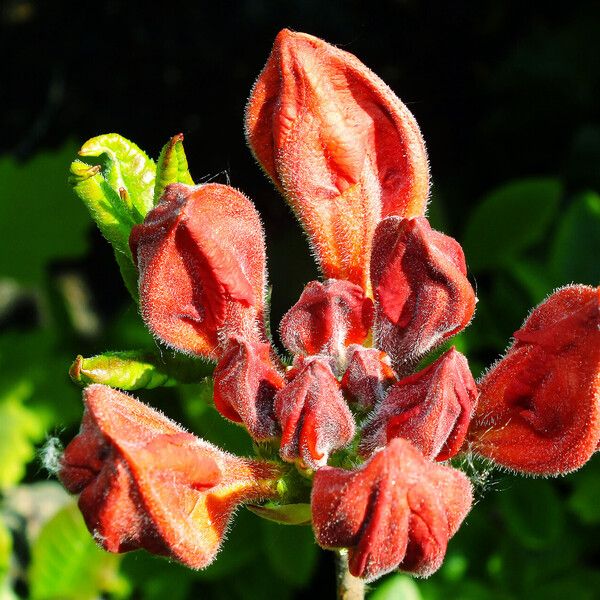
(144, 482)
(357, 413)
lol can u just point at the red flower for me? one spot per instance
(431, 408)
(144, 482)
(349, 158)
(314, 417)
(397, 511)
(539, 408)
(201, 258)
(340, 146)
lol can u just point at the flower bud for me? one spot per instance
(368, 376)
(340, 146)
(539, 407)
(245, 382)
(432, 409)
(315, 419)
(327, 317)
(146, 483)
(422, 294)
(397, 511)
(201, 259)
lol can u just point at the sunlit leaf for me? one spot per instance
(397, 587)
(5, 552)
(20, 429)
(172, 166)
(66, 563)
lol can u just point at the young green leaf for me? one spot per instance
(125, 167)
(110, 213)
(172, 166)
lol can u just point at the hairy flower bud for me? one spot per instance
(144, 482)
(368, 376)
(422, 294)
(245, 382)
(539, 407)
(315, 419)
(397, 511)
(432, 409)
(201, 259)
(327, 317)
(339, 145)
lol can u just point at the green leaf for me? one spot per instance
(36, 360)
(510, 220)
(397, 587)
(20, 429)
(238, 550)
(66, 563)
(155, 578)
(115, 180)
(532, 512)
(109, 212)
(126, 167)
(285, 514)
(172, 166)
(138, 369)
(291, 552)
(5, 552)
(39, 222)
(575, 254)
(585, 499)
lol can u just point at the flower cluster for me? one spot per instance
(355, 412)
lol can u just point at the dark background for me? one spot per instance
(501, 90)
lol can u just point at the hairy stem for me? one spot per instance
(348, 586)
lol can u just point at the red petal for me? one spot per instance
(539, 407)
(245, 382)
(327, 317)
(315, 419)
(201, 259)
(397, 511)
(339, 144)
(146, 483)
(422, 294)
(368, 376)
(432, 409)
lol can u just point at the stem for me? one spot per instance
(348, 586)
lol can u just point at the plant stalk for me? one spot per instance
(348, 586)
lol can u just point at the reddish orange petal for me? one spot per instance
(327, 317)
(339, 144)
(315, 419)
(432, 409)
(397, 511)
(144, 482)
(201, 258)
(246, 380)
(422, 294)
(539, 407)
(368, 376)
